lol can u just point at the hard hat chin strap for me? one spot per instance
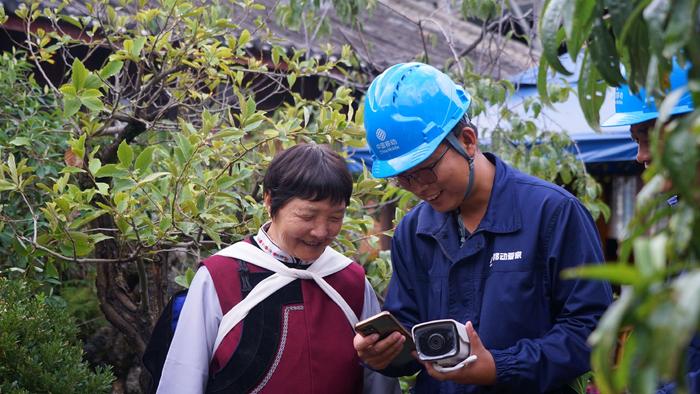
(452, 140)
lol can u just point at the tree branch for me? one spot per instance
(129, 259)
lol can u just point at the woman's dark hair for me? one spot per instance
(310, 172)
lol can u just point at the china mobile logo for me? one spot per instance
(506, 257)
(381, 134)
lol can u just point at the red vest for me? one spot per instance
(297, 340)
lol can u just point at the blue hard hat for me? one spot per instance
(409, 109)
(637, 108)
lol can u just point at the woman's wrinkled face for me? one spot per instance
(304, 228)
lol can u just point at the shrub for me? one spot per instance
(39, 350)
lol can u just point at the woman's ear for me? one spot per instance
(267, 201)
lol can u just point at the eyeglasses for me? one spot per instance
(423, 176)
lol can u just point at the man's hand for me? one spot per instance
(481, 372)
(378, 354)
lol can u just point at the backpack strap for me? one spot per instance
(329, 263)
(162, 335)
(244, 274)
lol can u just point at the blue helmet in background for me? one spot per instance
(637, 108)
(409, 109)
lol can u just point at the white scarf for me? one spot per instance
(329, 263)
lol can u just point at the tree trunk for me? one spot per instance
(119, 290)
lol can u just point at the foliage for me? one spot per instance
(311, 17)
(31, 128)
(663, 284)
(80, 299)
(39, 351)
(539, 152)
(169, 126)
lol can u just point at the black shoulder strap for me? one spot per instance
(244, 274)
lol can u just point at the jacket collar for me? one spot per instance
(502, 214)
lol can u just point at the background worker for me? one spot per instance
(640, 114)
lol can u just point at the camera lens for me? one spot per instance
(436, 341)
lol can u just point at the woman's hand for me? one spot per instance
(378, 354)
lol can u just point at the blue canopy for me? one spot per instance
(612, 145)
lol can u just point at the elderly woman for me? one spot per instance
(274, 313)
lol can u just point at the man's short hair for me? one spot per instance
(309, 172)
(463, 122)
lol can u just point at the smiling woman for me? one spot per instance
(275, 312)
(306, 192)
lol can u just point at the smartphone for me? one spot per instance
(384, 324)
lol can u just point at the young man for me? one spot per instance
(640, 115)
(485, 247)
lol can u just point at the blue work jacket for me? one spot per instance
(505, 279)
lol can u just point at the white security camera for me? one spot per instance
(444, 342)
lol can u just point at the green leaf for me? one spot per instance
(185, 146)
(20, 141)
(102, 188)
(185, 279)
(85, 219)
(99, 237)
(93, 82)
(90, 93)
(92, 103)
(234, 133)
(276, 53)
(144, 159)
(650, 254)
(619, 12)
(680, 157)
(139, 42)
(679, 28)
(619, 273)
(591, 92)
(213, 235)
(243, 38)
(125, 154)
(552, 34)
(542, 82)
(50, 270)
(78, 75)
(579, 27)
(604, 340)
(72, 21)
(112, 170)
(686, 295)
(152, 177)
(656, 14)
(603, 53)
(6, 185)
(78, 145)
(76, 243)
(94, 165)
(165, 223)
(111, 69)
(71, 105)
